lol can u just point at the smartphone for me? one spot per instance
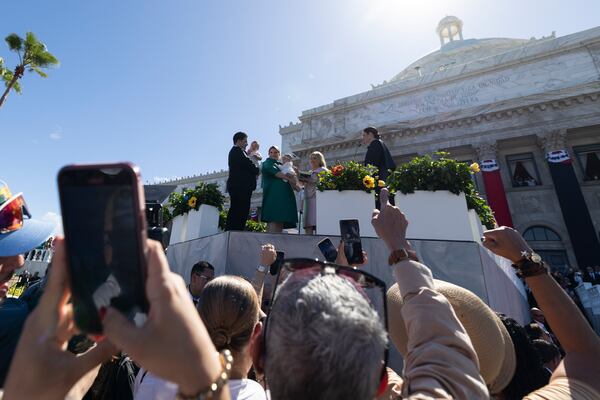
(104, 222)
(328, 249)
(350, 232)
(274, 270)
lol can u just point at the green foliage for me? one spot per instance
(14, 41)
(348, 176)
(222, 219)
(441, 173)
(192, 198)
(33, 56)
(254, 226)
(251, 225)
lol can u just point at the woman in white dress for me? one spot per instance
(317, 164)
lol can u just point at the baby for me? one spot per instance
(253, 153)
(287, 167)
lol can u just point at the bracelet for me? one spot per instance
(261, 268)
(528, 268)
(400, 255)
(226, 363)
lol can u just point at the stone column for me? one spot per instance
(572, 203)
(494, 188)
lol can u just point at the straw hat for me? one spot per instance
(490, 338)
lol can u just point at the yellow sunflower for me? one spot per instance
(474, 168)
(192, 202)
(369, 182)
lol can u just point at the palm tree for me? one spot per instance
(33, 56)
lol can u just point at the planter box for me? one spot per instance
(195, 224)
(333, 205)
(439, 215)
(476, 226)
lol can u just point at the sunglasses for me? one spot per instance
(368, 283)
(12, 214)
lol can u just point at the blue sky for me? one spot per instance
(165, 84)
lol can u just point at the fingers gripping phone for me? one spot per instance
(350, 233)
(274, 269)
(105, 236)
(328, 249)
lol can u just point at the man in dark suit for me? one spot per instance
(377, 155)
(240, 184)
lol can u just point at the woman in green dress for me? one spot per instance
(279, 202)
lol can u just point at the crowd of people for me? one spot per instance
(321, 336)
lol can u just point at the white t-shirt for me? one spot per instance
(246, 389)
(150, 387)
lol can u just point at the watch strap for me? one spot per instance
(261, 268)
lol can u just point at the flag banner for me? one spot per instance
(559, 156)
(489, 165)
(495, 194)
(574, 209)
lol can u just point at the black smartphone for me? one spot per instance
(328, 249)
(350, 232)
(274, 269)
(105, 236)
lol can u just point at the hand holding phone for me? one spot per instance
(105, 236)
(350, 232)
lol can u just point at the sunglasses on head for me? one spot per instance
(12, 214)
(360, 278)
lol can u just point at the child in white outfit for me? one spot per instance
(287, 167)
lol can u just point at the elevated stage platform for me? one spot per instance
(467, 264)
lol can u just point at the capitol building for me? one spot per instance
(527, 109)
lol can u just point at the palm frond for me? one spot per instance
(15, 43)
(39, 71)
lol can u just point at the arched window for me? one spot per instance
(541, 234)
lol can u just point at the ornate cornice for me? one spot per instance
(400, 130)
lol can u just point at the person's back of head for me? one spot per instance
(535, 331)
(323, 341)
(530, 374)
(548, 352)
(229, 309)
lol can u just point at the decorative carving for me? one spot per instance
(487, 151)
(552, 141)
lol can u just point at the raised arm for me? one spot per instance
(581, 344)
(440, 361)
(267, 257)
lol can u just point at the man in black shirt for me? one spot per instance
(377, 155)
(240, 184)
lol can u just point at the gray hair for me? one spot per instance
(324, 341)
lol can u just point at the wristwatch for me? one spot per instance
(261, 268)
(530, 264)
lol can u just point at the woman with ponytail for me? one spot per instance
(230, 311)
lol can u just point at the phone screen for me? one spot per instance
(274, 269)
(102, 233)
(350, 233)
(328, 249)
